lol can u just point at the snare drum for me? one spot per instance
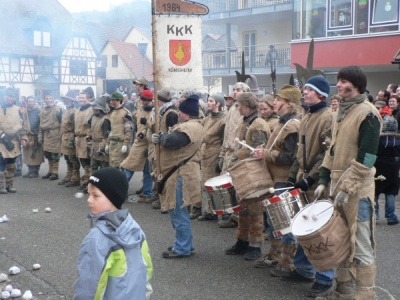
(251, 179)
(223, 196)
(282, 209)
(323, 234)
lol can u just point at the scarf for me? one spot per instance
(345, 106)
(316, 107)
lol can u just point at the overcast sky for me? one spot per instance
(74, 6)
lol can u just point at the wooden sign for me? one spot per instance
(180, 7)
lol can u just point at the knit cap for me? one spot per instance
(190, 106)
(112, 183)
(164, 95)
(100, 103)
(298, 83)
(241, 85)
(219, 98)
(389, 123)
(89, 91)
(117, 96)
(146, 95)
(319, 84)
(290, 93)
(380, 104)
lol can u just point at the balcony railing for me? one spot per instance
(219, 6)
(255, 57)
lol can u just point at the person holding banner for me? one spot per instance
(180, 186)
(349, 165)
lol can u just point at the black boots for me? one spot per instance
(239, 248)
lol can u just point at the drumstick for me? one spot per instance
(313, 216)
(244, 144)
(272, 190)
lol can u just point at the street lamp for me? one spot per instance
(142, 49)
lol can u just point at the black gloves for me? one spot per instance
(304, 184)
(143, 121)
(290, 182)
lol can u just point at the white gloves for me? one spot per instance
(107, 149)
(319, 191)
(155, 138)
(124, 149)
(342, 198)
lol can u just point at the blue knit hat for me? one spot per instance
(190, 106)
(319, 84)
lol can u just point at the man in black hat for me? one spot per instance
(11, 135)
(180, 171)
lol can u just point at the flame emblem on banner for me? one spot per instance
(180, 51)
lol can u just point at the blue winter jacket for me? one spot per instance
(113, 260)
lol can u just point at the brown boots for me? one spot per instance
(362, 288)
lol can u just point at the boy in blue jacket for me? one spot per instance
(113, 260)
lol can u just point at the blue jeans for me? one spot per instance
(364, 253)
(180, 220)
(147, 179)
(306, 269)
(5, 161)
(390, 206)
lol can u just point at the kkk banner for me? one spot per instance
(177, 44)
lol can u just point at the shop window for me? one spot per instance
(385, 11)
(340, 14)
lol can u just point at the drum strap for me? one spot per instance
(161, 183)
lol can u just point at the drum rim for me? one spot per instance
(307, 206)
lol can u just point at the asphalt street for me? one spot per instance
(52, 240)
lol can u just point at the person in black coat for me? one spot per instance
(387, 165)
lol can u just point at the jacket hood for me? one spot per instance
(120, 227)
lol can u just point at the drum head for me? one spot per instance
(303, 223)
(220, 182)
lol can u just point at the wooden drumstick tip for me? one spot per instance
(271, 190)
(305, 217)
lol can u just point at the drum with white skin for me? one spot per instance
(323, 234)
(222, 195)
